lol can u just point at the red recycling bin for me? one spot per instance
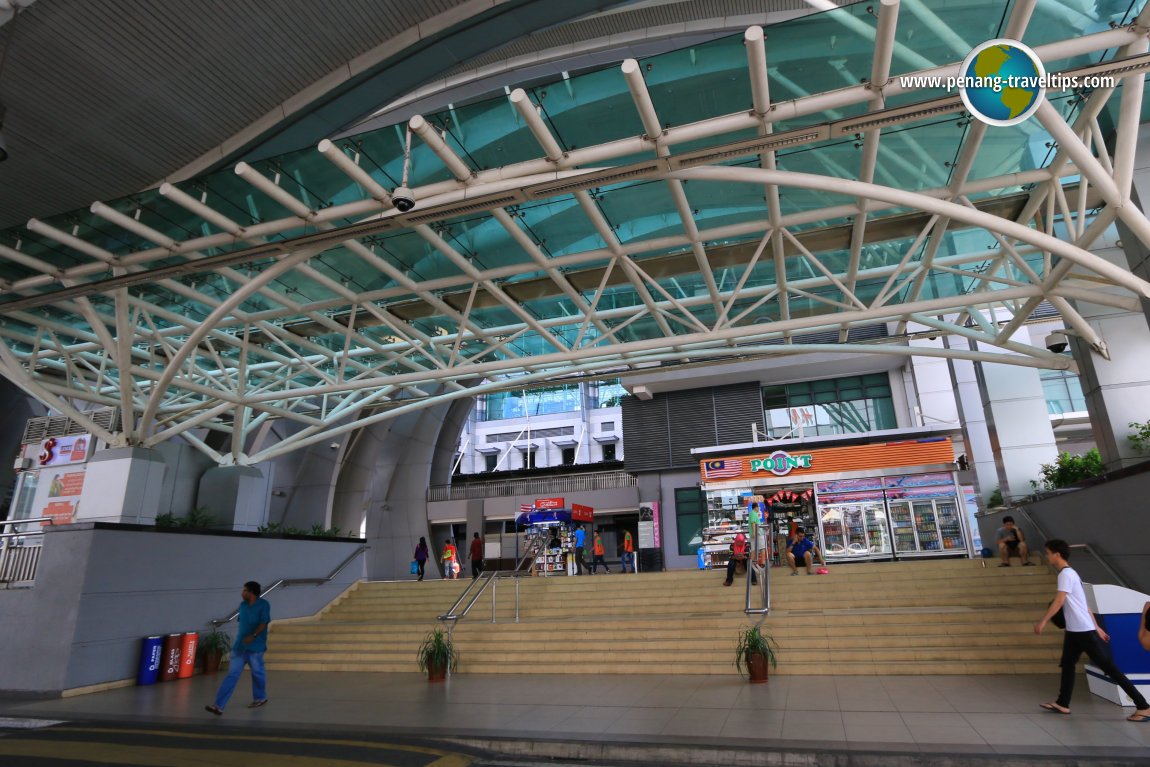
(170, 660)
(187, 654)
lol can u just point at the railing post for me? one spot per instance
(494, 585)
(517, 577)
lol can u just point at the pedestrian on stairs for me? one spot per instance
(421, 556)
(475, 554)
(628, 552)
(580, 544)
(597, 552)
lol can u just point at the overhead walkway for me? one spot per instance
(909, 618)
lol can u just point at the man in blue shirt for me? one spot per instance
(580, 548)
(802, 549)
(251, 642)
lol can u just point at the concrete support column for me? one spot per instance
(1117, 390)
(975, 430)
(236, 496)
(122, 485)
(1017, 420)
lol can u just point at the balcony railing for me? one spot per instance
(496, 488)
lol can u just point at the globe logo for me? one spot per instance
(1002, 82)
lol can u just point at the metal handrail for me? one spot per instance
(1084, 546)
(764, 575)
(8, 522)
(1106, 565)
(487, 579)
(299, 582)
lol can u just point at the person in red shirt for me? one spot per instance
(475, 554)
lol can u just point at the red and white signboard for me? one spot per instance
(581, 513)
(58, 494)
(548, 503)
(62, 451)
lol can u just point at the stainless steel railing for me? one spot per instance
(19, 561)
(299, 582)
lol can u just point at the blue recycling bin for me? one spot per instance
(702, 558)
(150, 655)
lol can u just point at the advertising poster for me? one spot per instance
(649, 533)
(58, 493)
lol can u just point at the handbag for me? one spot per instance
(1059, 618)
(414, 567)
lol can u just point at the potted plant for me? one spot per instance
(436, 655)
(755, 650)
(212, 648)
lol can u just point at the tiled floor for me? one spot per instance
(932, 714)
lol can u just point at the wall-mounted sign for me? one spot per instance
(781, 462)
(650, 532)
(61, 451)
(548, 503)
(580, 513)
(929, 452)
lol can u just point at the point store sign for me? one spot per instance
(781, 462)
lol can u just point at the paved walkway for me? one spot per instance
(903, 715)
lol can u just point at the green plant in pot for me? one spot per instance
(212, 648)
(436, 655)
(755, 650)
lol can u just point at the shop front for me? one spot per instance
(889, 500)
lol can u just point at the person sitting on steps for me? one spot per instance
(739, 553)
(1012, 543)
(802, 549)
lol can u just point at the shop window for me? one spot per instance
(568, 456)
(690, 518)
(609, 453)
(830, 406)
(491, 460)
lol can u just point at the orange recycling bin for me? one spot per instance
(170, 660)
(188, 654)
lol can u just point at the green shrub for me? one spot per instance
(1069, 469)
(1140, 439)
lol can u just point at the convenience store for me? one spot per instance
(873, 501)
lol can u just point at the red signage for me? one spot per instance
(548, 503)
(582, 513)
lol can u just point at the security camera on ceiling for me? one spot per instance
(1057, 342)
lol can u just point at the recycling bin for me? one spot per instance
(150, 654)
(170, 660)
(187, 654)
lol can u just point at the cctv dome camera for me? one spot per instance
(403, 199)
(1057, 342)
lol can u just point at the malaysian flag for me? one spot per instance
(526, 507)
(727, 467)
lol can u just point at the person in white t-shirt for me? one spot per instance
(1083, 635)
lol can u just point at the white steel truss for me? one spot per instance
(113, 327)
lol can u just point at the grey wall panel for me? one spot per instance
(39, 623)
(661, 432)
(1110, 517)
(140, 583)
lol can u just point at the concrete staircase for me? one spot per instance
(928, 617)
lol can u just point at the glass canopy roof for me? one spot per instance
(692, 205)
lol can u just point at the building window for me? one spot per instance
(609, 452)
(491, 460)
(690, 518)
(529, 459)
(524, 404)
(568, 456)
(607, 426)
(1063, 392)
(609, 393)
(831, 406)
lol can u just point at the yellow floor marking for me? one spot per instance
(151, 756)
(264, 739)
